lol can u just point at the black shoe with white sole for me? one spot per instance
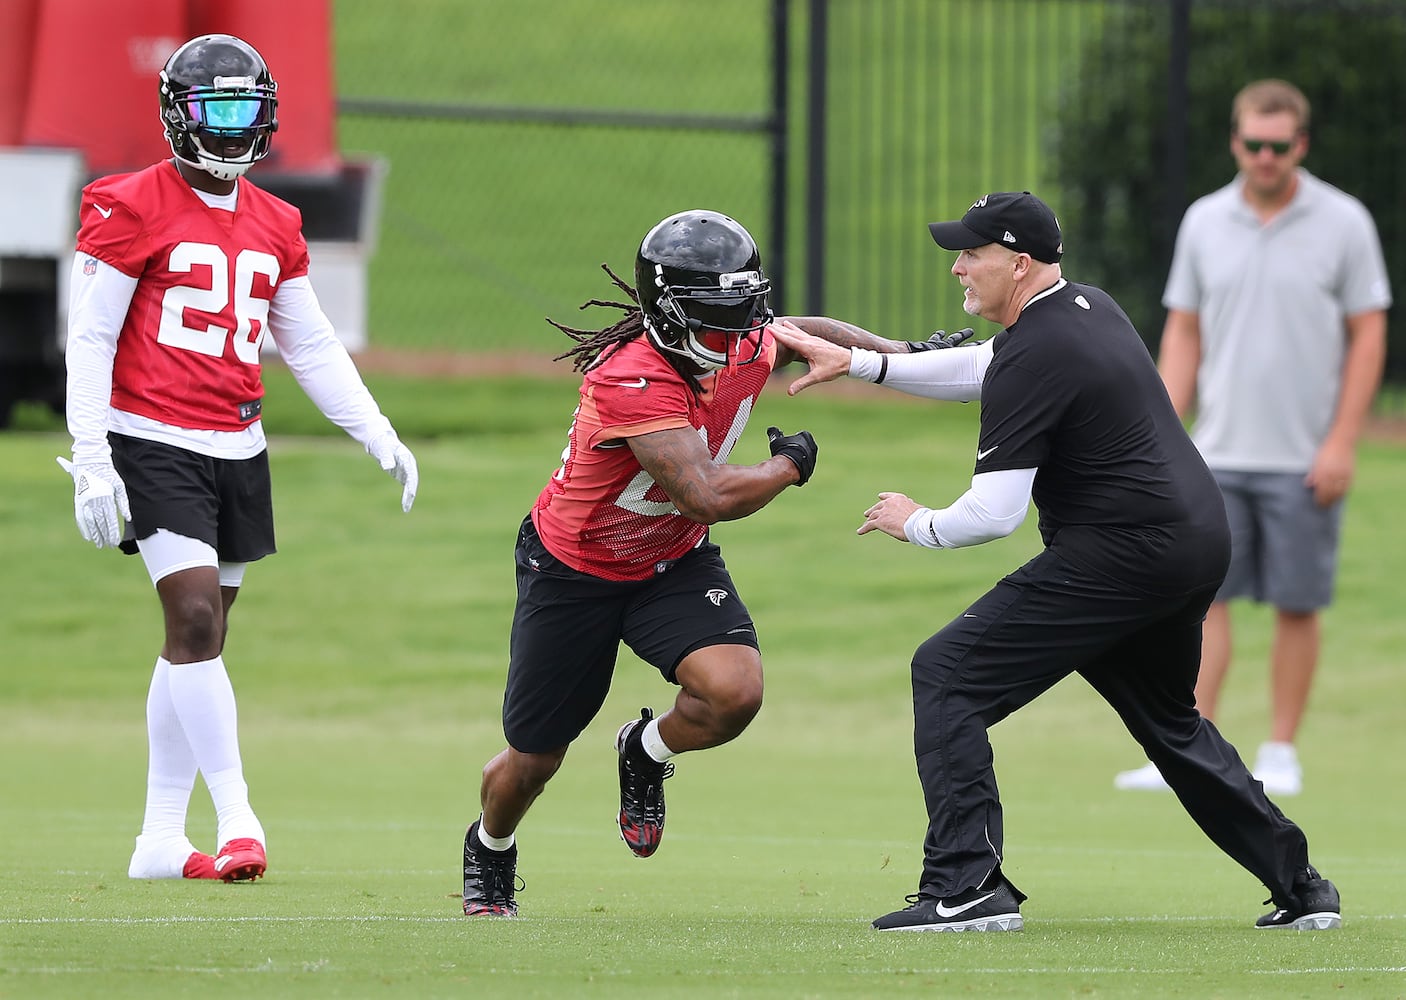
(980, 909)
(1315, 906)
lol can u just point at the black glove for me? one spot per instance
(800, 448)
(940, 340)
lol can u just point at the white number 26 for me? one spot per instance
(249, 309)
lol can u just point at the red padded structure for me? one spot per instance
(17, 19)
(295, 39)
(91, 80)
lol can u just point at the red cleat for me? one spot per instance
(240, 860)
(199, 865)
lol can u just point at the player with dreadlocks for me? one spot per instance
(616, 548)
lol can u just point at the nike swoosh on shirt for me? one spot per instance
(636, 384)
(952, 911)
(982, 454)
(106, 213)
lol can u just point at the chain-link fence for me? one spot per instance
(530, 142)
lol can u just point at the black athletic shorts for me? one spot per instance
(226, 503)
(568, 626)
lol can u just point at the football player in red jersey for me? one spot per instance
(181, 271)
(616, 548)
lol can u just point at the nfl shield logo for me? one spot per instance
(90, 267)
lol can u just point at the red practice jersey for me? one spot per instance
(602, 513)
(188, 353)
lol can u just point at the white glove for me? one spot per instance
(396, 459)
(99, 495)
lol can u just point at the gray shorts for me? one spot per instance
(1283, 546)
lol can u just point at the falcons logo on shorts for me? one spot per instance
(716, 596)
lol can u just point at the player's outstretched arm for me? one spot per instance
(843, 334)
(679, 461)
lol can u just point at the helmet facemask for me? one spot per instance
(713, 326)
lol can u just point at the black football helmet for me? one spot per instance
(702, 290)
(218, 105)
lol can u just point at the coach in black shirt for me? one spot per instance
(1075, 416)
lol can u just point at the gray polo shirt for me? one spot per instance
(1272, 301)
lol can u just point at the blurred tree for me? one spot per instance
(1111, 142)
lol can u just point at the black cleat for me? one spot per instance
(490, 878)
(1315, 906)
(978, 909)
(641, 789)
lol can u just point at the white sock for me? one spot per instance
(234, 817)
(653, 743)
(494, 843)
(159, 859)
(170, 774)
(204, 700)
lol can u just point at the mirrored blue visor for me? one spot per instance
(225, 112)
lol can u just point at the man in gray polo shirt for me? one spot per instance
(1276, 330)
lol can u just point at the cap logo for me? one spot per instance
(1008, 238)
(980, 202)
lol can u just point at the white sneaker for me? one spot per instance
(1143, 779)
(1277, 768)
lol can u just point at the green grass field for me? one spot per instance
(369, 656)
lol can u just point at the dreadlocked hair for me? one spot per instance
(591, 344)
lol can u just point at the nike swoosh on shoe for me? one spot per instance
(943, 910)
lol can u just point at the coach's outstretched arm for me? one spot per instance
(917, 369)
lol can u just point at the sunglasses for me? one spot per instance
(1279, 148)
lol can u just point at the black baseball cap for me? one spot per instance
(1015, 219)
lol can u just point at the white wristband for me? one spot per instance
(921, 530)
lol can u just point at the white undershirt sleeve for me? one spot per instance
(992, 508)
(97, 308)
(953, 374)
(320, 362)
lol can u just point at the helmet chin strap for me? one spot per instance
(696, 354)
(705, 365)
(221, 169)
